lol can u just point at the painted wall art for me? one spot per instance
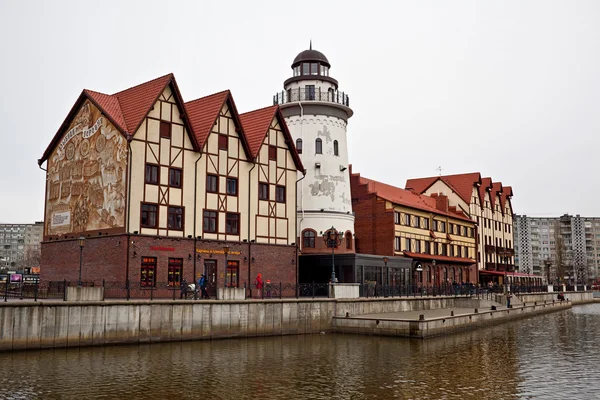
(86, 176)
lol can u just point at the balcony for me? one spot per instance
(311, 93)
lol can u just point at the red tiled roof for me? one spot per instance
(111, 107)
(203, 113)
(496, 188)
(126, 109)
(406, 197)
(485, 184)
(256, 125)
(462, 184)
(421, 256)
(137, 101)
(506, 194)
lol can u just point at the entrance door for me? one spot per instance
(210, 268)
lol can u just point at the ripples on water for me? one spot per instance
(553, 356)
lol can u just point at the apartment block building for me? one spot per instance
(20, 246)
(565, 247)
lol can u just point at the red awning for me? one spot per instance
(420, 256)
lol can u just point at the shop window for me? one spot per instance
(273, 153)
(223, 142)
(175, 218)
(212, 183)
(308, 239)
(152, 174)
(263, 191)
(175, 271)
(232, 223)
(175, 177)
(232, 186)
(165, 129)
(299, 146)
(280, 194)
(232, 277)
(148, 272)
(209, 221)
(318, 146)
(149, 215)
(335, 148)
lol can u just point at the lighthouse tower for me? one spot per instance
(317, 114)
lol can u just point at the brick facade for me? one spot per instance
(105, 258)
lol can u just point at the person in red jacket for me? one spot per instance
(259, 284)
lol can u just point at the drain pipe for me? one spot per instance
(129, 139)
(195, 196)
(249, 241)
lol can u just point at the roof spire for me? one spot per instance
(310, 47)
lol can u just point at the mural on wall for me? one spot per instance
(86, 176)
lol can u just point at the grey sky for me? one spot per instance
(507, 88)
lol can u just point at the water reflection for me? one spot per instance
(549, 357)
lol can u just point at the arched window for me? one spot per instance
(445, 275)
(348, 240)
(335, 148)
(460, 275)
(299, 145)
(308, 239)
(453, 275)
(318, 146)
(428, 276)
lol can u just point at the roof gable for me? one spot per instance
(256, 125)
(137, 101)
(127, 109)
(461, 184)
(406, 198)
(203, 114)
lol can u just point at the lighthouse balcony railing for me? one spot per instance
(310, 93)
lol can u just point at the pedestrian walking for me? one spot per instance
(202, 283)
(508, 297)
(183, 289)
(259, 284)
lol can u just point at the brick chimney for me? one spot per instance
(441, 202)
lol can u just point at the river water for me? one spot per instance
(553, 356)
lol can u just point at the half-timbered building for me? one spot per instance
(163, 190)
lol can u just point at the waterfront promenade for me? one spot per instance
(54, 324)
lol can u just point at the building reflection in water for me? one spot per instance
(529, 358)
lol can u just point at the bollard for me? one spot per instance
(421, 317)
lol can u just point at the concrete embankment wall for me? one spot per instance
(574, 297)
(48, 324)
(440, 326)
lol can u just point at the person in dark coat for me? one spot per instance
(183, 289)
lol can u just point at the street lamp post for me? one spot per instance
(226, 252)
(81, 242)
(387, 272)
(331, 237)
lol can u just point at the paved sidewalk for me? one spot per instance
(429, 314)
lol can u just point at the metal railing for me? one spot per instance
(311, 93)
(271, 290)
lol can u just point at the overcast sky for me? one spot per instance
(507, 88)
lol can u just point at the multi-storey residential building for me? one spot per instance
(488, 204)
(20, 246)
(565, 247)
(436, 239)
(162, 190)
